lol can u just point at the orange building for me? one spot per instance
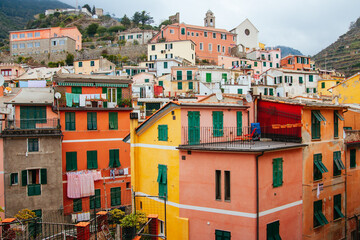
(296, 62)
(210, 42)
(93, 132)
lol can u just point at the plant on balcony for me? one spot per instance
(25, 214)
(116, 215)
(126, 102)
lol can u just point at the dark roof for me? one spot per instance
(91, 78)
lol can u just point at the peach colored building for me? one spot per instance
(11, 71)
(296, 62)
(210, 42)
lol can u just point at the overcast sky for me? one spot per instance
(306, 25)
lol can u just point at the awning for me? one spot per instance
(338, 211)
(320, 166)
(318, 116)
(111, 85)
(339, 116)
(75, 84)
(321, 218)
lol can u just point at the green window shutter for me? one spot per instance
(239, 123)
(280, 79)
(301, 80)
(115, 194)
(271, 91)
(114, 161)
(315, 125)
(218, 118)
(71, 161)
(314, 90)
(95, 200)
(163, 132)
(91, 120)
(162, 180)
(271, 64)
(189, 75)
(24, 177)
(43, 176)
(118, 95)
(179, 85)
(272, 231)
(277, 172)
(191, 86)
(77, 205)
(311, 78)
(113, 120)
(178, 75)
(147, 80)
(76, 90)
(69, 121)
(165, 65)
(323, 85)
(319, 217)
(104, 90)
(255, 64)
(337, 207)
(337, 163)
(92, 159)
(193, 127)
(161, 83)
(264, 64)
(265, 91)
(224, 76)
(92, 63)
(208, 77)
(240, 91)
(352, 158)
(336, 125)
(307, 90)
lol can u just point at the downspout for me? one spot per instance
(257, 195)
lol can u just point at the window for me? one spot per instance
(191, 86)
(14, 179)
(301, 80)
(311, 78)
(161, 83)
(31, 115)
(22, 45)
(62, 42)
(201, 46)
(162, 180)
(53, 43)
(271, 64)
(210, 47)
(265, 91)
(189, 75)
(70, 121)
(33, 144)
(277, 65)
(33, 179)
(80, 64)
(255, 64)
(240, 91)
(71, 161)
(224, 76)
(115, 196)
(218, 48)
(205, 34)
(113, 120)
(314, 90)
(239, 122)
(179, 85)
(227, 186)
(323, 85)
(92, 159)
(338, 164)
(337, 207)
(37, 34)
(319, 167)
(264, 64)
(188, 33)
(14, 46)
(208, 77)
(352, 158)
(222, 235)
(112, 94)
(319, 218)
(316, 118)
(30, 45)
(37, 44)
(217, 184)
(165, 65)
(77, 205)
(182, 31)
(272, 230)
(337, 116)
(91, 121)
(192, 34)
(14, 36)
(214, 35)
(162, 132)
(178, 75)
(277, 55)
(114, 161)
(218, 117)
(172, 31)
(92, 63)
(277, 172)
(95, 200)
(271, 91)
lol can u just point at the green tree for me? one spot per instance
(93, 10)
(101, 30)
(125, 21)
(145, 18)
(91, 29)
(87, 7)
(133, 220)
(57, 14)
(69, 59)
(116, 215)
(165, 23)
(136, 18)
(25, 214)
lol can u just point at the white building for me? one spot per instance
(247, 36)
(136, 35)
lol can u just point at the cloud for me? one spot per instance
(306, 25)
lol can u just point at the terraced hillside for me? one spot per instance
(344, 54)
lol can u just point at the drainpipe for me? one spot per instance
(257, 195)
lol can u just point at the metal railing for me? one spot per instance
(32, 124)
(234, 136)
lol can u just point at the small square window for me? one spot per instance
(33, 144)
(14, 178)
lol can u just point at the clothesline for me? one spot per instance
(99, 169)
(81, 99)
(81, 184)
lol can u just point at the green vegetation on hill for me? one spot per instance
(14, 14)
(344, 54)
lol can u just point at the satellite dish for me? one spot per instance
(248, 97)
(219, 96)
(2, 80)
(57, 95)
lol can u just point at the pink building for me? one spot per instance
(265, 59)
(11, 71)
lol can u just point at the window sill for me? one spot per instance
(338, 219)
(318, 227)
(316, 140)
(317, 181)
(336, 137)
(337, 176)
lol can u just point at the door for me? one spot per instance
(111, 94)
(194, 127)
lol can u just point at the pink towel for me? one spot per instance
(73, 186)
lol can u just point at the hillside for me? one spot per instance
(14, 14)
(288, 51)
(344, 54)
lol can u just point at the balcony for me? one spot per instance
(241, 138)
(31, 127)
(352, 137)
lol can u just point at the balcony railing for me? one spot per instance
(234, 136)
(352, 136)
(32, 124)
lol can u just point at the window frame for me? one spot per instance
(318, 167)
(70, 121)
(319, 218)
(32, 145)
(218, 123)
(92, 159)
(113, 121)
(337, 207)
(277, 172)
(71, 161)
(163, 132)
(162, 180)
(91, 120)
(353, 158)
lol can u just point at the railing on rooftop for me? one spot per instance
(32, 124)
(234, 136)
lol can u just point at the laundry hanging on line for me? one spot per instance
(81, 184)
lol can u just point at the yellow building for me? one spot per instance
(184, 49)
(94, 66)
(348, 90)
